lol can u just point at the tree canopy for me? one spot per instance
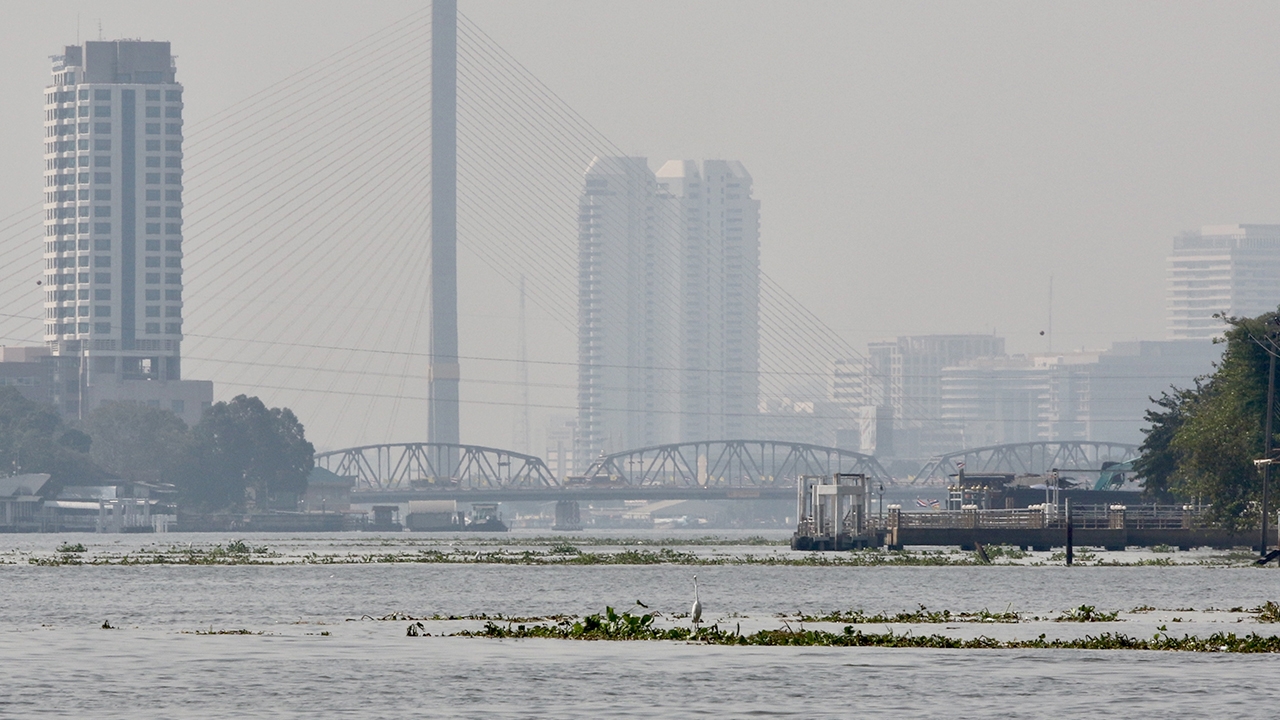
(243, 454)
(1202, 441)
(34, 439)
(137, 442)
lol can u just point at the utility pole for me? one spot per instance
(1266, 447)
(442, 418)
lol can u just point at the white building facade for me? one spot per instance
(1232, 269)
(668, 305)
(113, 229)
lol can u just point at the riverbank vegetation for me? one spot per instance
(1202, 440)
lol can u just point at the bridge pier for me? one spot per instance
(567, 516)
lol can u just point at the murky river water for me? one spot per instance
(57, 661)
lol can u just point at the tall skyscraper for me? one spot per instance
(113, 229)
(1223, 268)
(668, 304)
(715, 225)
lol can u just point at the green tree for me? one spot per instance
(137, 442)
(33, 439)
(1202, 442)
(244, 454)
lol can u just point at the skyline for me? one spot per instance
(1100, 296)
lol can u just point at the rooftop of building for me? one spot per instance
(119, 61)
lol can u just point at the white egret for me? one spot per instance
(696, 611)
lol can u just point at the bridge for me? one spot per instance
(1032, 458)
(709, 470)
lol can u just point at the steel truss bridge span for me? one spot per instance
(436, 466)
(729, 464)
(1031, 458)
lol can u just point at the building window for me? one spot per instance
(153, 128)
(173, 245)
(101, 294)
(153, 278)
(153, 328)
(172, 128)
(173, 178)
(83, 261)
(153, 311)
(153, 95)
(153, 228)
(102, 311)
(100, 128)
(173, 161)
(172, 278)
(173, 328)
(173, 145)
(84, 277)
(83, 311)
(173, 262)
(153, 178)
(153, 111)
(153, 195)
(173, 195)
(103, 328)
(102, 194)
(102, 211)
(172, 311)
(102, 111)
(102, 177)
(101, 161)
(102, 261)
(173, 111)
(100, 95)
(173, 95)
(173, 212)
(153, 211)
(102, 278)
(153, 261)
(173, 295)
(153, 246)
(103, 244)
(153, 161)
(172, 228)
(153, 295)
(102, 227)
(83, 327)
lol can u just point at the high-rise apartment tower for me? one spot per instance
(669, 268)
(1232, 269)
(113, 228)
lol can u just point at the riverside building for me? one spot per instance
(113, 229)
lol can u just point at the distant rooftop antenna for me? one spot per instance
(99, 28)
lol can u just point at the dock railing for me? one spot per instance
(1115, 517)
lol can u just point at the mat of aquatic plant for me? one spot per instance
(551, 550)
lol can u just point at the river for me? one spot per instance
(309, 653)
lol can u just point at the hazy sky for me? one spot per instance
(922, 167)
